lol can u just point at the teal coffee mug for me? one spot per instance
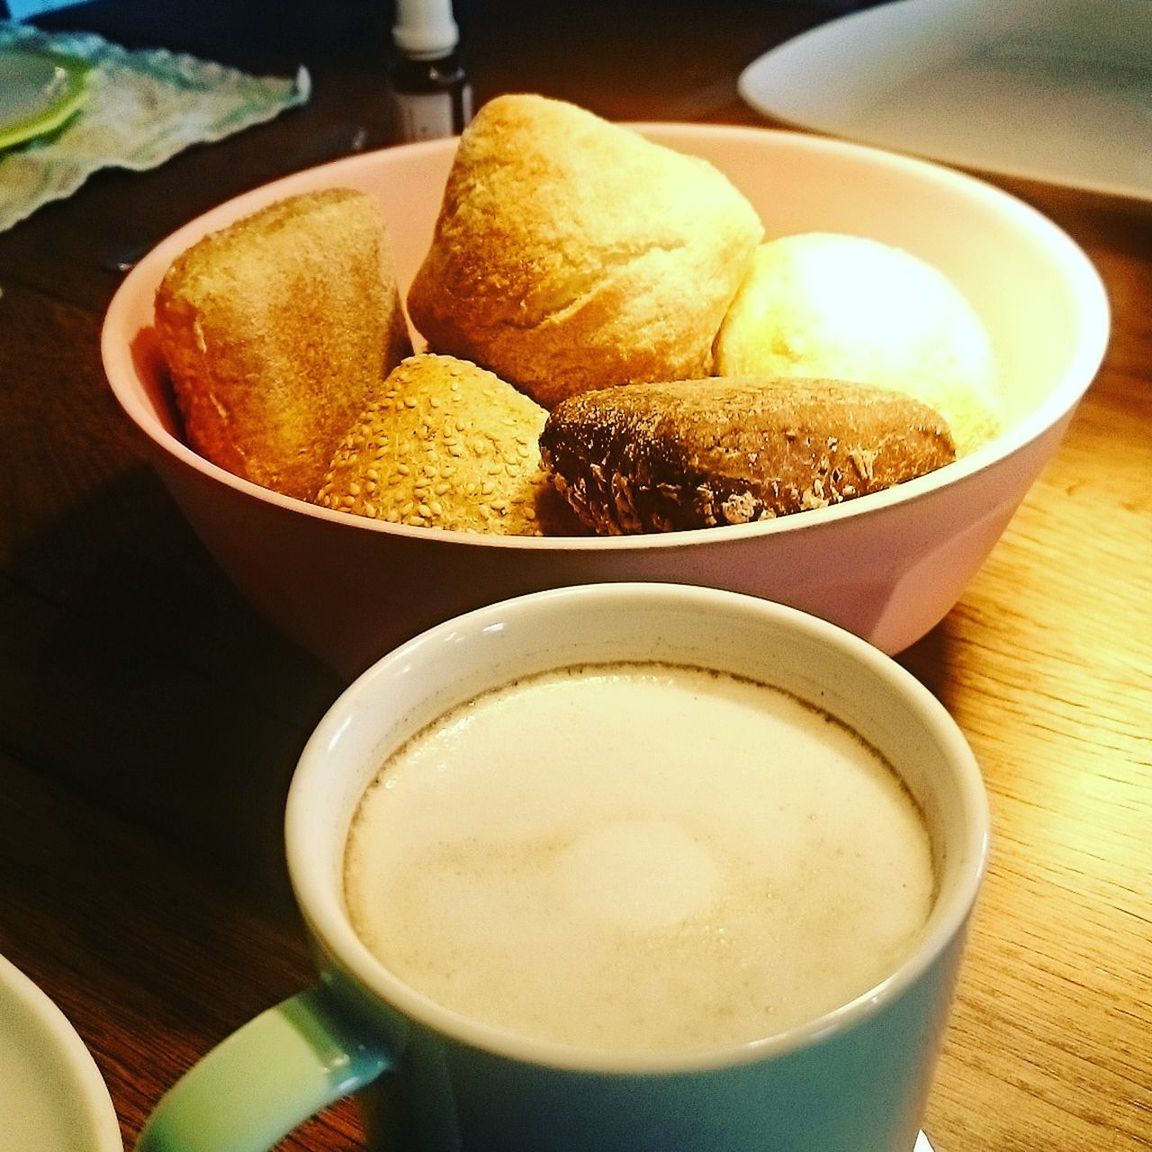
(620, 867)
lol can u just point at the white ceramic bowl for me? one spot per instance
(887, 567)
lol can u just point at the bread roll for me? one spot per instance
(448, 445)
(571, 253)
(277, 329)
(848, 307)
(702, 453)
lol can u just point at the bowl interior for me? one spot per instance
(1036, 292)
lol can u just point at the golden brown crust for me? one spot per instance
(448, 445)
(700, 453)
(571, 253)
(276, 330)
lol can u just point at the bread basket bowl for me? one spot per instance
(887, 566)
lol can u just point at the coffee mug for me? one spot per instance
(437, 1074)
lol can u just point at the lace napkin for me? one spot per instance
(142, 107)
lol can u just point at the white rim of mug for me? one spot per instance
(325, 911)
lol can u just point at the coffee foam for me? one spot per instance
(639, 857)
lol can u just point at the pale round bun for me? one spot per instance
(846, 307)
(571, 253)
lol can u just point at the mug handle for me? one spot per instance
(264, 1080)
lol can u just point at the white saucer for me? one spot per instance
(52, 1096)
(1058, 91)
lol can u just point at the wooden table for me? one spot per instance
(149, 722)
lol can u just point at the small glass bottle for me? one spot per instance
(429, 89)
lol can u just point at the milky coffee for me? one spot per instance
(639, 857)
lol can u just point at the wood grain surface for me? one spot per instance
(149, 721)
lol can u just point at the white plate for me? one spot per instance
(1053, 90)
(38, 92)
(52, 1096)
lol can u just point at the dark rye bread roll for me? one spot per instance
(277, 329)
(700, 453)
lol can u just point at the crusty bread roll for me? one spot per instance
(852, 308)
(448, 445)
(277, 329)
(700, 453)
(571, 253)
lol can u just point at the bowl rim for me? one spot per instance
(1081, 275)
